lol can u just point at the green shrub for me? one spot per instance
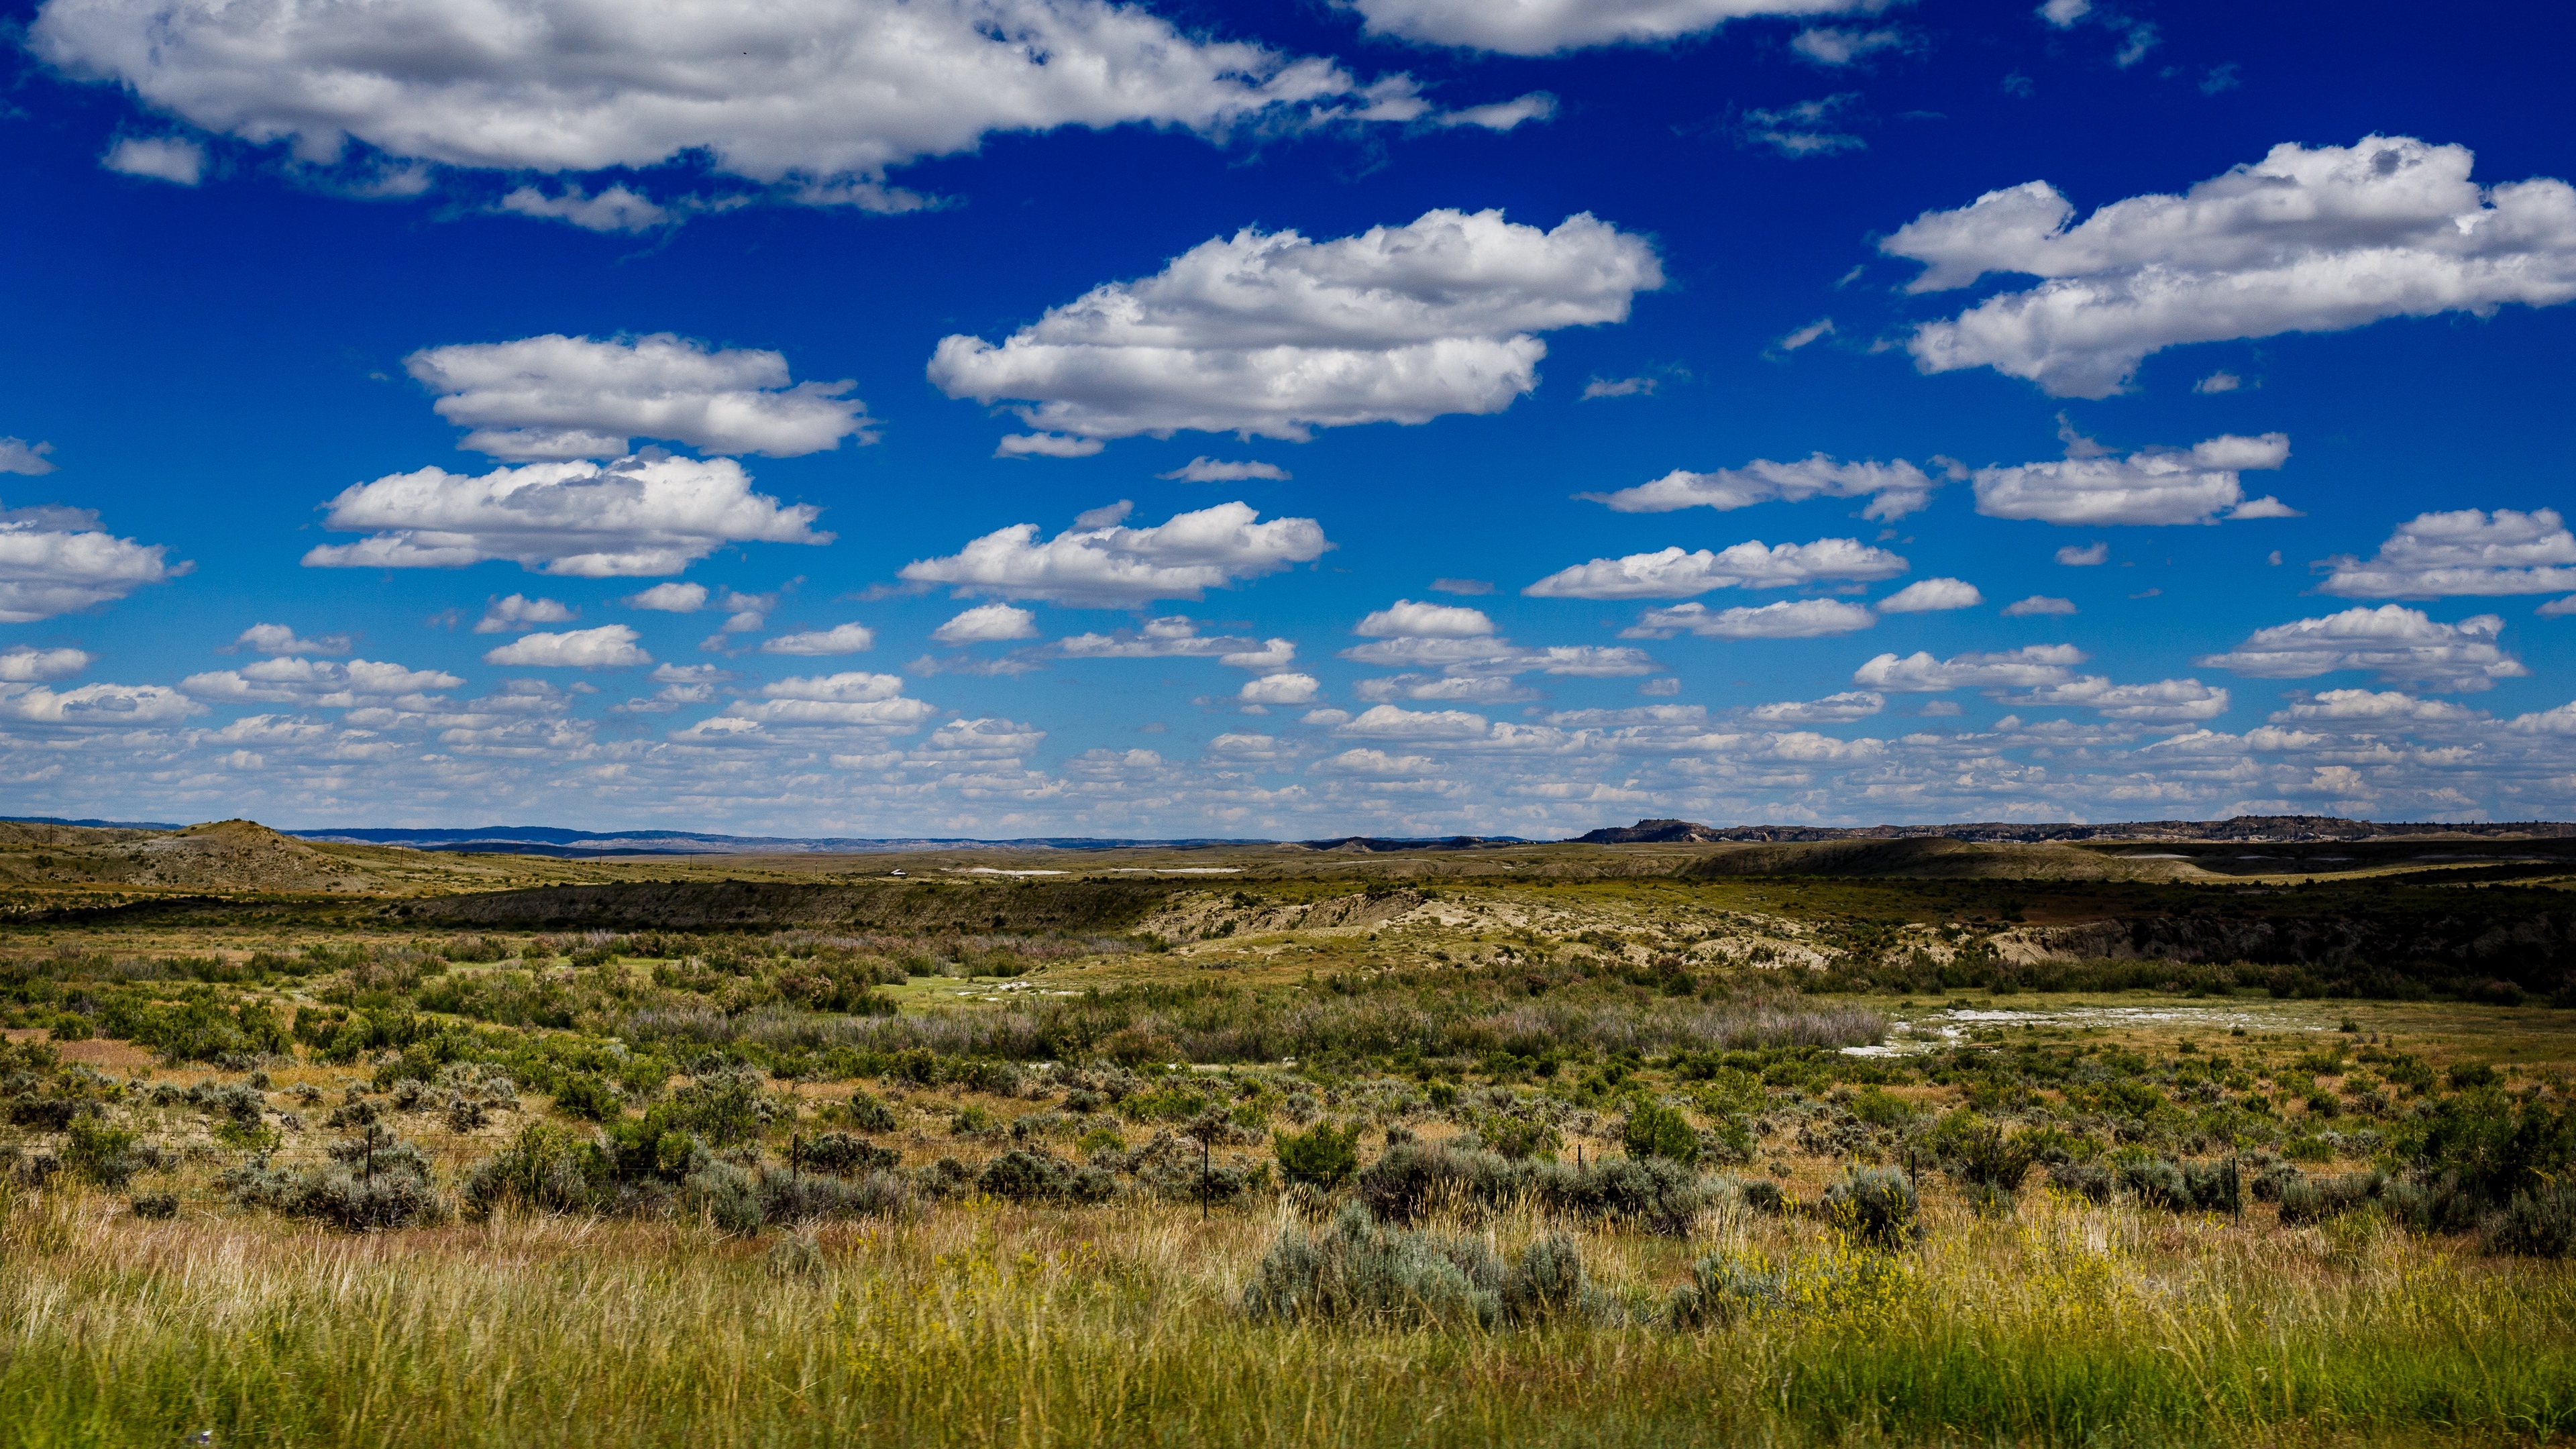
(1023, 1176)
(1875, 1207)
(1360, 1270)
(868, 1114)
(544, 1167)
(1722, 1289)
(843, 1154)
(2315, 1199)
(1323, 1155)
(1546, 1282)
(104, 1155)
(1977, 1153)
(2539, 1223)
(156, 1205)
(1656, 1131)
(579, 1094)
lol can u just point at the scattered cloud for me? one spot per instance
(1114, 566)
(1788, 619)
(1601, 387)
(1894, 489)
(1425, 621)
(320, 683)
(1285, 689)
(1919, 673)
(2401, 645)
(1801, 130)
(643, 515)
(1273, 335)
(280, 639)
(17, 455)
(1822, 327)
(162, 158)
(1672, 574)
(518, 611)
(1844, 708)
(2167, 701)
(815, 105)
(832, 701)
(1469, 587)
(57, 561)
(2469, 551)
(2305, 240)
(1046, 445)
(1925, 596)
(839, 639)
(2038, 605)
(113, 706)
(610, 646)
(1545, 27)
(2084, 555)
(1842, 45)
(2150, 486)
(558, 397)
(671, 598)
(612, 208)
(1177, 636)
(987, 624)
(2219, 381)
(1204, 469)
(25, 664)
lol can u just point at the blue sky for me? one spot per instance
(372, 362)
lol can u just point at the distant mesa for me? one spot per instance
(2245, 829)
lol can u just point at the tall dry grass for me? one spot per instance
(988, 1325)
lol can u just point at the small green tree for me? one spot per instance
(1655, 1131)
(1322, 1154)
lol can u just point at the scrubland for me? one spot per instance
(1504, 1166)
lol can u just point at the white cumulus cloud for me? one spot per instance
(57, 560)
(115, 706)
(817, 99)
(1919, 673)
(1544, 27)
(1843, 708)
(17, 455)
(281, 639)
(2167, 701)
(1925, 596)
(1280, 689)
(2401, 645)
(1893, 489)
(1788, 619)
(2469, 551)
(1672, 574)
(1113, 565)
(610, 646)
(518, 611)
(2150, 486)
(1204, 469)
(25, 664)
(1387, 721)
(839, 639)
(2305, 240)
(987, 624)
(320, 682)
(671, 598)
(2038, 604)
(163, 158)
(643, 515)
(1273, 334)
(851, 699)
(1407, 619)
(557, 397)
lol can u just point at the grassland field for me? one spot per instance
(1506, 1150)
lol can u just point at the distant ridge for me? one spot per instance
(2251, 829)
(89, 824)
(577, 844)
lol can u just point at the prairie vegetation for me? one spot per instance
(1561, 1164)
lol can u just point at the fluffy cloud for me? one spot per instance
(1204, 469)
(557, 397)
(17, 455)
(163, 158)
(673, 598)
(2150, 486)
(643, 515)
(1925, 596)
(2084, 556)
(1919, 673)
(610, 646)
(518, 611)
(1893, 489)
(2401, 645)
(2302, 241)
(1844, 708)
(1272, 334)
(1834, 45)
(2466, 552)
(1447, 689)
(852, 699)
(23, 664)
(321, 683)
(1115, 566)
(2038, 604)
(118, 706)
(2167, 701)
(816, 99)
(280, 639)
(1407, 619)
(987, 624)
(1177, 636)
(1386, 721)
(1543, 27)
(839, 639)
(2390, 706)
(56, 560)
(1673, 574)
(1788, 619)
(1280, 689)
